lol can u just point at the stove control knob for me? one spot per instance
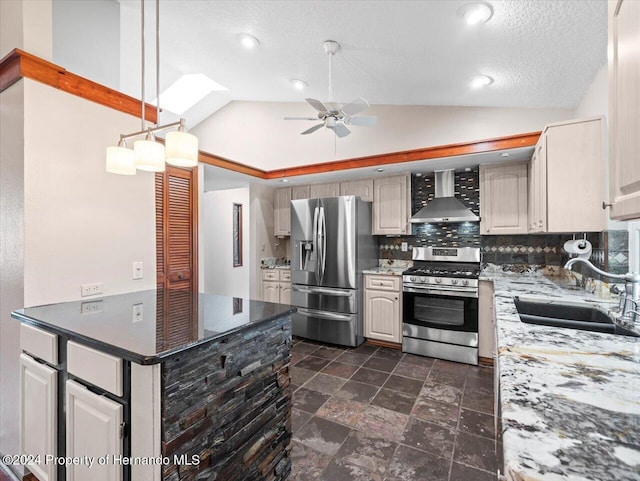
(438, 280)
(454, 282)
(465, 282)
(413, 279)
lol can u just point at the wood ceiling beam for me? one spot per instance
(19, 64)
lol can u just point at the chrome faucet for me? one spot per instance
(630, 300)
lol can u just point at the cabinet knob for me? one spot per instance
(396, 298)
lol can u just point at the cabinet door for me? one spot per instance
(391, 206)
(503, 194)
(270, 292)
(285, 293)
(361, 188)
(93, 429)
(538, 189)
(486, 320)
(318, 191)
(282, 214)
(300, 192)
(38, 415)
(624, 108)
(382, 315)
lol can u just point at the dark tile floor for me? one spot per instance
(376, 414)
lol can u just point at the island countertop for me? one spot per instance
(147, 327)
(570, 399)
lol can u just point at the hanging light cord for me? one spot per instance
(142, 58)
(157, 62)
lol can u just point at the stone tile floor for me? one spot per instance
(376, 414)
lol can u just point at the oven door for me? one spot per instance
(445, 310)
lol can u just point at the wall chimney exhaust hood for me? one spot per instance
(445, 208)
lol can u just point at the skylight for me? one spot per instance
(187, 91)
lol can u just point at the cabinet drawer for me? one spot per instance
(269, 275)
(382, 283)
(96, 367)
(285, 275)
(39, 343)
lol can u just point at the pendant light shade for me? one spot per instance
(181, 149)
(120, 160)
(149, 155)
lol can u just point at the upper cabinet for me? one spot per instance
(624, 108)
(392, 205)
(300, 192)
(503, 190)
(282, 212)
(318, 191)
(362, 188)
(567, 178)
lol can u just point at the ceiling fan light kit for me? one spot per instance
(476, 13)
(336, 117)
(180, 148)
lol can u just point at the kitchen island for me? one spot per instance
(166, 384)
(569, 399)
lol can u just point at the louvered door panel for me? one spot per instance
(160, 237)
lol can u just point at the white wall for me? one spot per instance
(82, 224)
(595, 100)
(26, 24)
(11, 259)
(220, 277)
(256, 134)
(86, 39)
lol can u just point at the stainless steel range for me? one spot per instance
(440, 299)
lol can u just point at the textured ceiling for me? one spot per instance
(541, 53)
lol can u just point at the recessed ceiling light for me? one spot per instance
(379, 169)
(284, 180)
(248, 41)
(504, 154)
(298, 84)
(476, 13)
(187, 91)
(481, 81)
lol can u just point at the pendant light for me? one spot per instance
(180, 148)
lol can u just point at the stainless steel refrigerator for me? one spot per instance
(331, 244)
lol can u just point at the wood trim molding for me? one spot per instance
(18, 64)
(378, 343)
(485, 361)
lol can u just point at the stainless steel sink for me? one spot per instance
(572, 315)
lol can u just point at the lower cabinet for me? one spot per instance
(94, 429)
(383, 308)
(486, 321)
(38, 415)
(276, 286)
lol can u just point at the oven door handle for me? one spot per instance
(442, 292)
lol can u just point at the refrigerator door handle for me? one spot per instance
(316, 246)
(325, 315)
(323, 233)
(322, 290)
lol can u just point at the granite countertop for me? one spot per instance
(173, 320)
(385, 271)
(279, 266)
(570, 399)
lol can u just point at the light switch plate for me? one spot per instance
(138, 270)
(404, 247)
(137, 313)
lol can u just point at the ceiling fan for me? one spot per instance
(335, 116)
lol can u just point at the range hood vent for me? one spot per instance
(445, 208)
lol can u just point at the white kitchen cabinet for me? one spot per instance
(392, 205)
(276, 286)
(624, 109)
(567, 178)
(93, 429)
(318, 191)
(38, 415)
(486, 320)
(300, 192)
(362, 188)
(503, 199)
(282, 212)
(383, 308)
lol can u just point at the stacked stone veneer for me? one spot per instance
(229, 402)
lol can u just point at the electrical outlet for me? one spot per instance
(404, 247)
(137, 270)
(137, 313)
(91, 289)
(91, 307)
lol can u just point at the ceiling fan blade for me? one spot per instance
(312, 129)
(366, 121)
(340, 129)
(355, 106)
(301, 118)
(316, 104)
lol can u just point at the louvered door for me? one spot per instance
(176, 228)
